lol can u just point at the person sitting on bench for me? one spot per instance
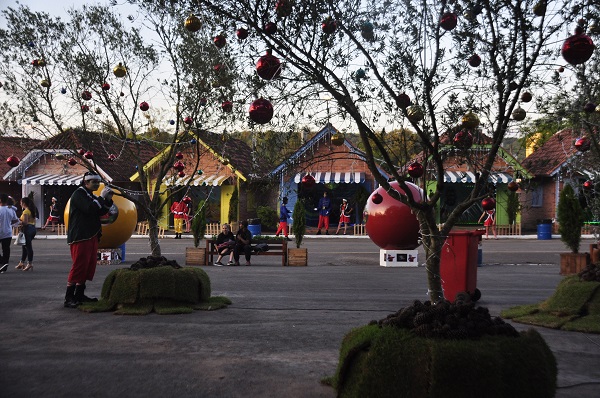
(225, 244)
(243, 243)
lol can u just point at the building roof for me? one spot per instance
(237, 152)
(553, 154)
(14, 146)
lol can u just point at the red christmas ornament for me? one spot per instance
(377, 198)
(179, 155)
(144, 106)
(268, 66)
(463, 140)
(403, 100)
(220, 41)
(72, 161)
(187, 200)
(86, 96)
(188, 120)
(589, 107)
(329, 26)
(448, 21)
(474, 60)
(308, 181)
(270, 28)
(415, 170)
(588, 185)
(13, 161)
(227, 106)
(179, 166)
(582, 144)
(84, 108)
(261, 111)
(283, 8)
(513, 186)
(577, 49)
(106, 87)
(241, 33)
(112, 157)
(526, 96)
(488, 204)
(88, 155)
(390, 223)
(181, 174)
(81, 151)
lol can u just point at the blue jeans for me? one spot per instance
(29, 231)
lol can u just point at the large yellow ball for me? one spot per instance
(119, 227)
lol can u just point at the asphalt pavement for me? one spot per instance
(279, 338)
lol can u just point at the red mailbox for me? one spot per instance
(458, 265)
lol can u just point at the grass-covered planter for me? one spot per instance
(164, 289)
(392, 362)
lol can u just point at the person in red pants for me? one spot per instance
(324, 209)
(83, 235)
(284, 214)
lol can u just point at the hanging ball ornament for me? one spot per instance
(35, 62)
(120, 70)
(308, 181)
(88, 155)
(360, 74)
(227, 106)
(415, 170)
(403, 100)
(144, 106)
(338, 139)
(84, 108)
(63, 90)
(261, 111)
(41, 63)
(171, 122)
(488, 204)
(241, 33)
(112, 157)
(178, 165)
(578, 48)
(181, 174)
(329, 26)
(86, 96)
(283, 8)
(98, 111)
(448, 21)
(270, 28)
(463, 140)
(122, 94)
(203, 101)
(188, 120)
(105, 87)
(512, 186)
(13, 161)
(81, 151)
(539, 8)
(59, 156)
(588, 185)
(72, 161)
(45, 83)
(366, 31)
(474, 60)
(582, 144)
(268, 66)
(589, 107)
(519, 114)
(179, 155)
(414, 113)
(470, 120)
(526, 96)
(199, 172)
(192, 23)
(220, 41)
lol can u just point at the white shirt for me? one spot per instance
(8, 218)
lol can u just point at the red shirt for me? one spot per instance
(179, 209)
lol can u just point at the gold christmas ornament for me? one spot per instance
(98, 111)
(414, 113)
(120, 70)
(45, 83)
(519, 114)
(192, 23)
(470, 120)
(337, 139)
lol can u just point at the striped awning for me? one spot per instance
(197, 180)
(469, 177)
(339, 177)
(52, 179)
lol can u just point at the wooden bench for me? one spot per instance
(276, 248)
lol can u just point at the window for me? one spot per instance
(537, 196)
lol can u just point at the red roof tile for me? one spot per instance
(552, 154)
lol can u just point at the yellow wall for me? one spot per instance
(226, 191)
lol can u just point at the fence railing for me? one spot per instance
(143, 228)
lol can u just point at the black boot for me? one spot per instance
(82, 298)
(70, 301)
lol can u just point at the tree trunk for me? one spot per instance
(153, 236)
(433, 241)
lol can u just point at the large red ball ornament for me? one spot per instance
(144, 106)
(179, 155)
(241, 33)
(308, 181)
(268, 66)
(512, 186)
(526, 96)
(463, 140)
(403, 100)
(577, 49)
(106, 87)
(220, 41)
(270, 28)
(391, 224)
(582, 144)
(81, 151)
(188, 120)
(329, 26)
(261, 111)
(192, 23)
(181, 174)
(88, 155)
(179, 166)
(448, 21)
(588, 185)
(72, 161)
(13, 161)
(474, 60)
(84, 108)
(488, 204)
(415, 170)
(86, 96)
(589, 107)
(227, 106)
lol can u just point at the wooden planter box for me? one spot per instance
(594, 253)
(297, 257)
(573, 263)
(195, 255)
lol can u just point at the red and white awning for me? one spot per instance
(337, 177)
(53, 179)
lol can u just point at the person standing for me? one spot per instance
(54, 216)
(8, 218)
(284, 214)
(179, 210)
(83, 235)
(243, 243)
(187, 217)
(345, 210)
(324, 209)
(489, 222)
(28, 229)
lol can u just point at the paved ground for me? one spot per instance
(279, 338)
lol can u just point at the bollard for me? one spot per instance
(122, 247)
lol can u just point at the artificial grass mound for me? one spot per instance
(162, 288)
(575, 306)
(387, 361)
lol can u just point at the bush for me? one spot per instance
(268, 217)
(570, 218)
(299, 224)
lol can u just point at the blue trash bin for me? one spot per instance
(254, 229)
(544, 229)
